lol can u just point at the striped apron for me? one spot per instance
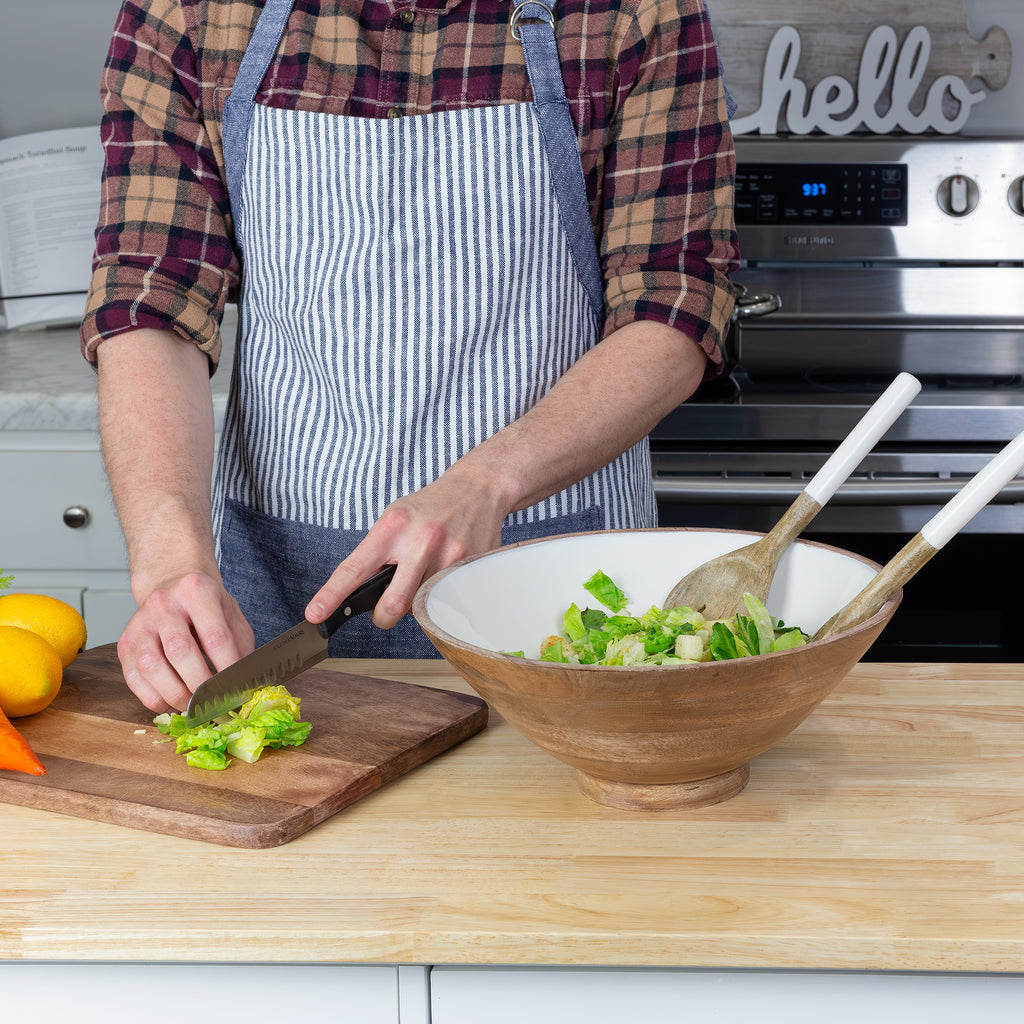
(410, 287)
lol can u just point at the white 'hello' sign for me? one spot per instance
(836, 106)
(839, 66)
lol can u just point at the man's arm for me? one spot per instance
(156, 426)
(610, 399)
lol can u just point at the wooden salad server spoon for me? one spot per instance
(716, 588)
(946, 523)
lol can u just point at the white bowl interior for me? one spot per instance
(512, 598)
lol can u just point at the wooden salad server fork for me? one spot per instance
(716, 588)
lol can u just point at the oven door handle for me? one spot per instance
(853, 492)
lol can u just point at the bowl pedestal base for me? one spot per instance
(633, 796)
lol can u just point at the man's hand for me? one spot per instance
(183, 632)
(449, 519)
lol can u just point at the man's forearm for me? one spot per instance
(156, 426)
(604, 404)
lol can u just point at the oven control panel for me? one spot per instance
(882, 198)
(821, 195)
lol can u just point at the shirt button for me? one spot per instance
(394, 112)
(408, 17)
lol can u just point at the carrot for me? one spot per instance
(15, 753)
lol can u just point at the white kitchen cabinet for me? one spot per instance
(56, 993)
(63, 517)
(60, 533)
(469, 995)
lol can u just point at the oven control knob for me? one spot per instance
(1015, 196)
(958, 195)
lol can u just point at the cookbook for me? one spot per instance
(49, 205)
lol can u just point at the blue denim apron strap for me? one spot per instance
(259, 54)
(532, 22)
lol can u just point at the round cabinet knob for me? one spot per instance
(76, 516)
(958, 195)
(1015, 196)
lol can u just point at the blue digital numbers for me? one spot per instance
(814, 188)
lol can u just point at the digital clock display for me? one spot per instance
(822, 194)
(807, 188)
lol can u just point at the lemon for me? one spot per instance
(60, 625)
(30, 672)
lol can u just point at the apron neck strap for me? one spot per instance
(264, 43)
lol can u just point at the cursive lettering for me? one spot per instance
(835, 107)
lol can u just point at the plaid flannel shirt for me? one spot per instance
(641, 77)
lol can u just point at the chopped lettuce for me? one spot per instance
(270, 718)
(658, 637)
(601, 587)
(212, 760)
(268, 698)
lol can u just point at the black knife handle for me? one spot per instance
(363, 599)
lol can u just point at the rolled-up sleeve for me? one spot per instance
(163, 255)
(669, 240)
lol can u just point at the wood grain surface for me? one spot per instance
(833, 33)
(104, 758)
(886, 833)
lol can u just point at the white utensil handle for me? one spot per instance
(873, 424)
(975, 494)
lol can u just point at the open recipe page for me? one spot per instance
(49, 202)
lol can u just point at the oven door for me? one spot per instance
(965, 605)
(836, 323)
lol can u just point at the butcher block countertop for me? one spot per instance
(887, 833)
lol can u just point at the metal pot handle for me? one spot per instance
(748, 306)
(753, 305)
(756, 305)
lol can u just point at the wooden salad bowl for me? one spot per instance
(643, 737)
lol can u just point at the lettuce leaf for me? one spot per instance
(787, 639)
(572, 622)
(604, 589)
(270, 718)
(211, 760)
(724, 645)
(764, 624)
(659, 637)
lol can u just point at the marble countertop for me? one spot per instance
(46, 384)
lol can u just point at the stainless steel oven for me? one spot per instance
(885, 254)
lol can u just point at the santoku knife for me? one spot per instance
(282, 658)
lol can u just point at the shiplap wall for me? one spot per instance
(51, 53)
(822, 47)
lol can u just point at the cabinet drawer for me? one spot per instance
(54, 993)
(46, 484)
(610, 996)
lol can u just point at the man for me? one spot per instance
(434, 356)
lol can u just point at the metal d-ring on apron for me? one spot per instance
(411, 285)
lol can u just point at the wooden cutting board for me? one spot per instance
(366, 732)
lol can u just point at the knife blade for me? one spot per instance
(282, 658)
